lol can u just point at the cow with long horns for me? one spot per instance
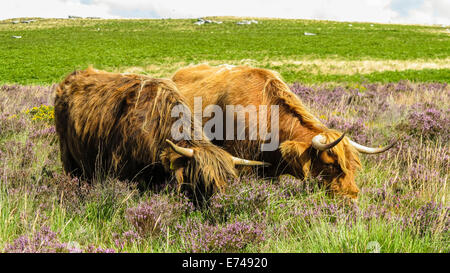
(307, 148)
(120, 125)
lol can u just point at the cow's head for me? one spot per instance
(202, 169)
(331, 156)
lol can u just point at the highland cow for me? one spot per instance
(120, 125)
(307, 147)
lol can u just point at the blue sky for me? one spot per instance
(382, 11)
(404, 6)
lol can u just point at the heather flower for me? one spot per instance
(28, 154)
(429, 122)
(421, 174)
(44, 132)
(126, 238)
(429, 218)
(290, 186)
(320, 96)
(356, 129)
(43, 241)
(434, 86)
(336, 212)
(71, 191)
(11, 124)
(376, 194)
(401, 86)
(153, 217)
(93, 249)
(25, 97)
(233, 237)
(46, 241)
(243, 195)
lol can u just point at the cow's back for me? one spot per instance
(223, 85)
(104, 122)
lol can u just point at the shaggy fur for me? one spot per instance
(117, 124)
(243, 85)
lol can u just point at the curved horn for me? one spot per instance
(368, 150)
(318, 142)
(181, 150)
(245, 162)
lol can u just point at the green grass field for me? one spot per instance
(375, 82)
(50, 49)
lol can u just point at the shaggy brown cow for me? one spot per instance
(307, 147)
(120, 124)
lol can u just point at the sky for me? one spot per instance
(379, 11)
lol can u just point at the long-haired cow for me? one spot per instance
(307, 147)
(121, 125)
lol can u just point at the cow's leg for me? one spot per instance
(70, 165)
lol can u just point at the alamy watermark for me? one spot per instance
(234, 124)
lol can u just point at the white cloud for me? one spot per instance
(385, 11)
(52, 9)
(428, 12)
(350, 10)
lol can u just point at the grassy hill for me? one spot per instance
(340, 52)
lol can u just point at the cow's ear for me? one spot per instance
(294, 147)
(296, 153)
(171, 160)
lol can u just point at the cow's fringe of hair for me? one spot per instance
(346, 157)
(210, 166)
